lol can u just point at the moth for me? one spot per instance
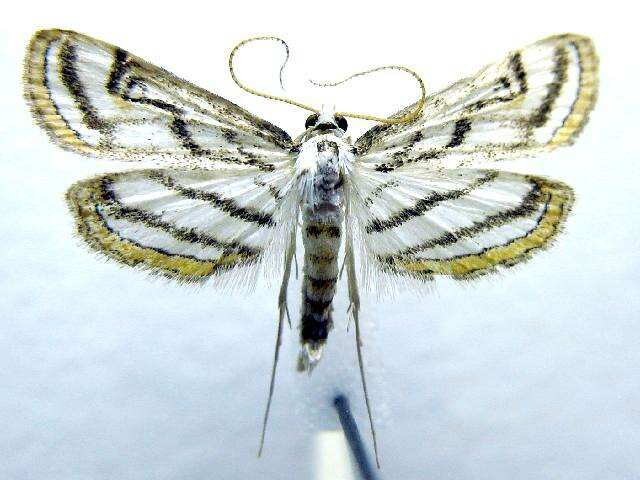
(230, 194)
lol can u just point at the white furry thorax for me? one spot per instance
(322, 163)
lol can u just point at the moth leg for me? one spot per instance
(344, 262)
(290, 256)
(282, 310)
(354, 308)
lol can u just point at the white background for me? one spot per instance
(105, 374)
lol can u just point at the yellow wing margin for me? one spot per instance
(85, 198)
(38, 95)
(587, 93)
(557, 199)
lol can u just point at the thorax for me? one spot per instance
(321, 167)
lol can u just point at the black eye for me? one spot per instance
(342, 123)
(311, 121)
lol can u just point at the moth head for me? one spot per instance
(326, 121)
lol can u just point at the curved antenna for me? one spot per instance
(256, 92)
(412, 115)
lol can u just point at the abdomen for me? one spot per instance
(321, 245)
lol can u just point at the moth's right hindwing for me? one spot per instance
(184, 224)
(98, 99)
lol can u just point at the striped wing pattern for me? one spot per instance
(462, 223)
(184, 224)
(216, 205)
(98, 99)
(416, 213)
(421, 209)
(536, 99)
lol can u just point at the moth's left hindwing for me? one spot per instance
(98, 99)
(184, 224)
(461, 223)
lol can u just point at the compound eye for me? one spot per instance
(311, 121)
(342, 123)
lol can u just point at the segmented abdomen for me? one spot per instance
(321, 246)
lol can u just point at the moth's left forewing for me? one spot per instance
(460, 223)
(535, 99)
(98, 99)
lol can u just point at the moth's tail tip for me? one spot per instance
(310, 355)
